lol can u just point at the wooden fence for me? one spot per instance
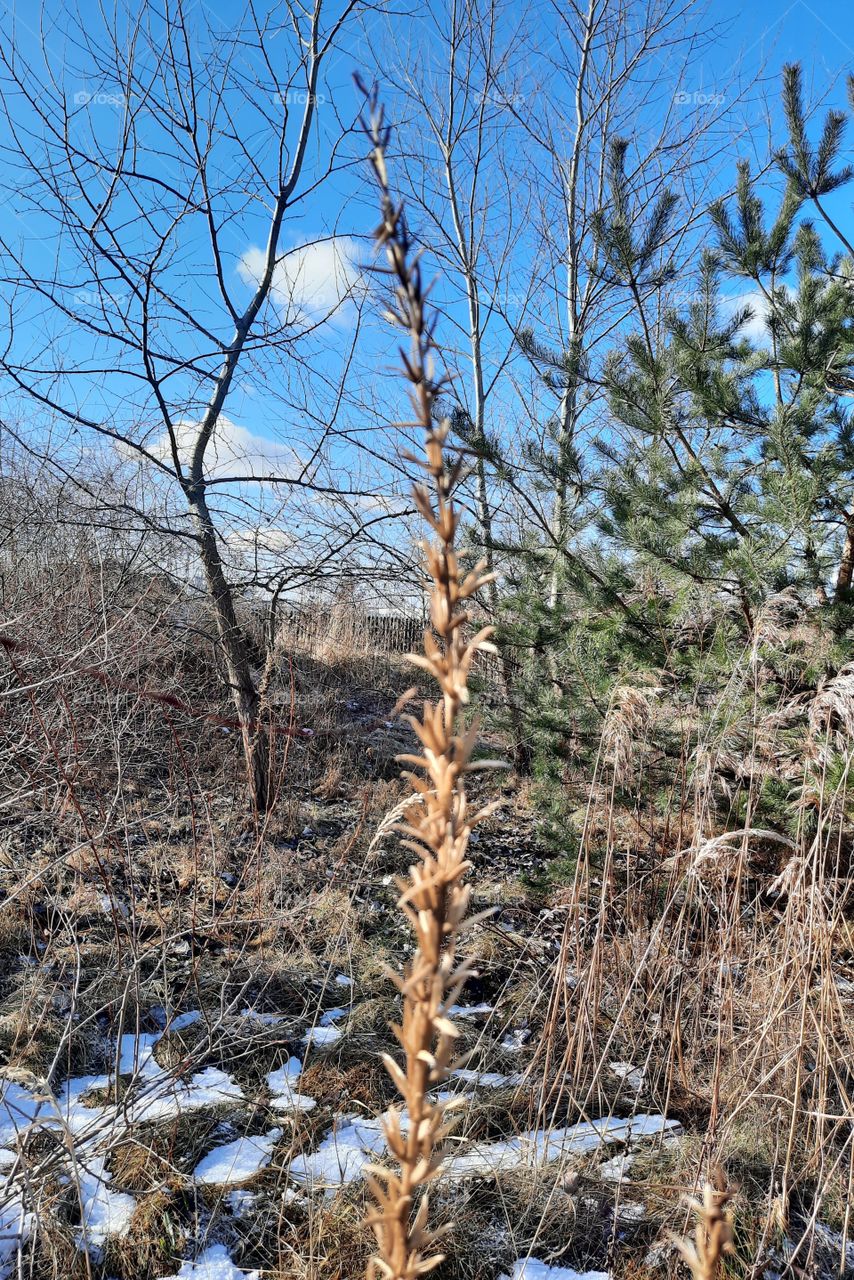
(338, 631)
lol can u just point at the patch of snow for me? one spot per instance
(833, 1241)
(616, 1169)
(170, 1097)
(136, 1055)
(341, 980)
(534, 1269)
(342, 1155)
(469, 1010)
(516, 1039)
(630, 1211)
(487, 1079)
(281, 1085)
(542, 1146)
(19, 1107)
(213, 1264)
(285, 1076)
(73, 1111)
(353, 1143)
(241, 1203)
(321, 1036)
(188, 1019)
(237, 1161)
(453, 1102)
(105, 1212)
(161, 1096)
(330, 1016)
(266, 1019)
(16, 1227)
(627, 1071)
(649, 1126)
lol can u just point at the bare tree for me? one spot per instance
(509, 125)
(456, 102)
(147, 158)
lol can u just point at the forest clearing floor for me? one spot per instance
(193, 1009)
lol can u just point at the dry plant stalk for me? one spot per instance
(433, 897)
(713, 1234)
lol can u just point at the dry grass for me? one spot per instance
(698, 939)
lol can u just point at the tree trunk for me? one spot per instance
(560, 512)
(846, 564)
(244, 693)
(520, 753)
(484, 512)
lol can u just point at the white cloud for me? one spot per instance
(262, 538)
(756, 328)
(262, 547)
(379, 504)
(312, 281)
(232, 451)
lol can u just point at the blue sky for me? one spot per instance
(748, 42)
(818, 35)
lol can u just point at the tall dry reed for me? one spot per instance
(433, 897)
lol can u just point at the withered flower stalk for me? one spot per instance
(436, 830)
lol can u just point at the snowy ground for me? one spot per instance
(84, 1112)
